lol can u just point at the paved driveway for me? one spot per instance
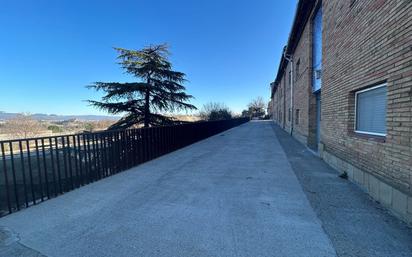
(234, 194)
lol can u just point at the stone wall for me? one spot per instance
(398, 202)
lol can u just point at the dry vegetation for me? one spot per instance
(24, 126)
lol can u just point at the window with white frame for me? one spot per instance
(370, 107)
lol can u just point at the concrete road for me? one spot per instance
(357, 225)
(234, 194)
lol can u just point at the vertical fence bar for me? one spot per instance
(6, 179)
(171, 139)
(105, 152)
(164, 141)
(136, 146)
(168, 139)
(151, 148)
(131, 148)
(86, 160)
(83, 159)
(154, 142)
(33, 196)
(109, 153)
(124, 152)
(101, 140)
(159, 141)
(76, 163)
(139, 145)
(46, 177)
(143, 144)
(119, 151)
(94, 154)
(133, 143)
(116, 151)
(58, 180)
(69, 159)
(89, 156)
(126, 149)
(36, 144)
(13, 170)
(98, 155)
(113, 153)
(66, 173)
(79, 153)
(23, 171)
(92, 158)
(124, 155)
(147, 144)
(158, 151)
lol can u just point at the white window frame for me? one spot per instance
(356, 111)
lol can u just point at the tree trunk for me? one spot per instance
(147, 106)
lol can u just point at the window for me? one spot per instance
(370, 108)
(317, 51)
(297, 117)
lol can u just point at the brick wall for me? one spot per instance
(366, 43)
(302, 96)
(302, 85)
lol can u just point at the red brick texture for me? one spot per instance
(365, 42)
(302, 91)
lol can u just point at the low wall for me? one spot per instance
(399, 203)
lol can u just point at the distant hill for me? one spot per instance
(54, 117)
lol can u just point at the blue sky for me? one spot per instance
(50, 50)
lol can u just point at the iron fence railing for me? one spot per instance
(36, 169)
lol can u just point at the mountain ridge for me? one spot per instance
(55, 117)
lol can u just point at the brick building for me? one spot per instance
(344, 88)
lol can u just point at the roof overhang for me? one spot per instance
(302, 14)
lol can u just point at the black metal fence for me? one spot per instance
(36, 169)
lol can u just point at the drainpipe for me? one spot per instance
(289, 58)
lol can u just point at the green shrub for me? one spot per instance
(55, 129)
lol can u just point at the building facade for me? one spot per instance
(344, 89)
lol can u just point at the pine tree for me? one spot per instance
(159, 89)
